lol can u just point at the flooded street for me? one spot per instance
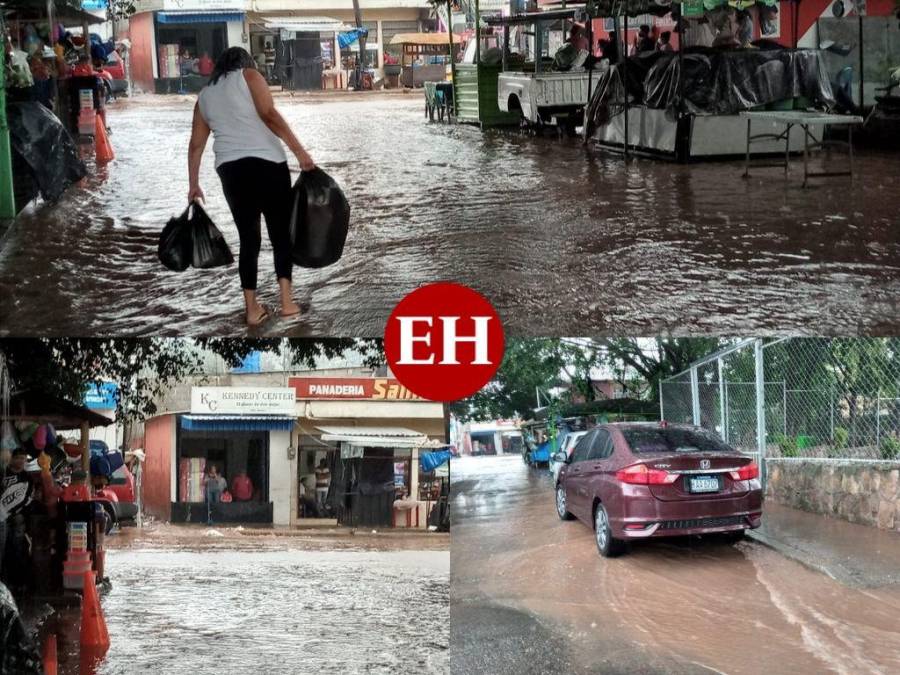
(534, 589)
(275, 605)
(558, 238)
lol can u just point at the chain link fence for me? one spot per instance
(825, 398)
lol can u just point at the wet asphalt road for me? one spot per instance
(529, 594)
(561, 240)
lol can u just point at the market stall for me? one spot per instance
(424, 56)
(685, 105)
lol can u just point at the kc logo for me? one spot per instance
(444, 341)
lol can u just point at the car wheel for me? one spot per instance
(561, 507)
(606, 545)
(110, 518)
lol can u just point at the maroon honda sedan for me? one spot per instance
(634, 481)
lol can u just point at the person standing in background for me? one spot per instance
(214, 485)
(323, 480)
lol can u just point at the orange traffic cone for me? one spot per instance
(49, 656)
(94, 635)
(101, 142)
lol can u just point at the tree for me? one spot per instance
(540, 365)
(145, 368)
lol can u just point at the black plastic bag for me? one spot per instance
(42, 142)
(320, 218)
(210, 247)
(176, 243)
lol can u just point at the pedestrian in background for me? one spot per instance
(215, 485)
(323, 480)
(237, 108)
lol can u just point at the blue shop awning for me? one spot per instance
(198, 17)
(237, 423)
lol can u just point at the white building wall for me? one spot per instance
(237, 35)
(282, 471)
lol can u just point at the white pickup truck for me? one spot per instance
(545, 98)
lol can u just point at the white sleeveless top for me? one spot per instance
(227, 106)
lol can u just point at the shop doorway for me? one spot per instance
(300, 62)
(242, 457)
(368, 486)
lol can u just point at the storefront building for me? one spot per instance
(370, 432)
(173, 42)
(323, 450)
(245, 432)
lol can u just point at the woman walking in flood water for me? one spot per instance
(237, 107)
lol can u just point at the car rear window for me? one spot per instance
(674, 440)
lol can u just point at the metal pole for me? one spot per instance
(831, 411)
(477, 35)
(784, 405)
(878, 420)
(695, 397)
(681, 106)
(760, 408)
(722, 402)
(862, 77)
(7, 199)
(590, 32)
(452, 59)
(625, 74)
(662, 414)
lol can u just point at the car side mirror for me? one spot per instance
(560, 457)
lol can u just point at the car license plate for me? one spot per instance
(704, 484)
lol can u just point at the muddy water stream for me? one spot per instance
(275, 611)
(548, 231)
(681, 606)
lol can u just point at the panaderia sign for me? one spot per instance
(242, 401)
(351, 389)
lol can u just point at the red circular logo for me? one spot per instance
(444, 341)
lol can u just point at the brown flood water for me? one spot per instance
(676, 606)
(560, 239)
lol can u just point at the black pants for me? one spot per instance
(255, 187)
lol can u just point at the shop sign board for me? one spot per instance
(692, 8)
(242, 401)
(101, 396)
(351, 389)
(349, 451)
(204, 5)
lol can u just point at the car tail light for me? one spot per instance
(748, 472)
(641, 474)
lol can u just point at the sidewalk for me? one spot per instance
(855, 555)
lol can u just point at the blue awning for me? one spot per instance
(198, 17)
(237, 423)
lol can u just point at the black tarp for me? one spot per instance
(716, 82)
(46, 147)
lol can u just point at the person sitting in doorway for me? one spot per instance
(308, 506)
(323, 481)
(242, 487)
(205, 65)
(214, 484)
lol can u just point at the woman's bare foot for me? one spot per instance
(290, 308)
(256, 316)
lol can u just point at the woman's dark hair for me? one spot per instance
(233, 58)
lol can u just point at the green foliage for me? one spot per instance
(890, 447)
(841, 438)
(145, 368)
(787, 445)
(120, 9)
(532, 365)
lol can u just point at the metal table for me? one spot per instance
(802, 119)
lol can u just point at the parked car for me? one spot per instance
(641, 480)
(115, 67)
(568, 445)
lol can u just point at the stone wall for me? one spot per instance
(859, 491)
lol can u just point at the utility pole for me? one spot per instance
(361, 61)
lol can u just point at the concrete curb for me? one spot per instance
(793, 553)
